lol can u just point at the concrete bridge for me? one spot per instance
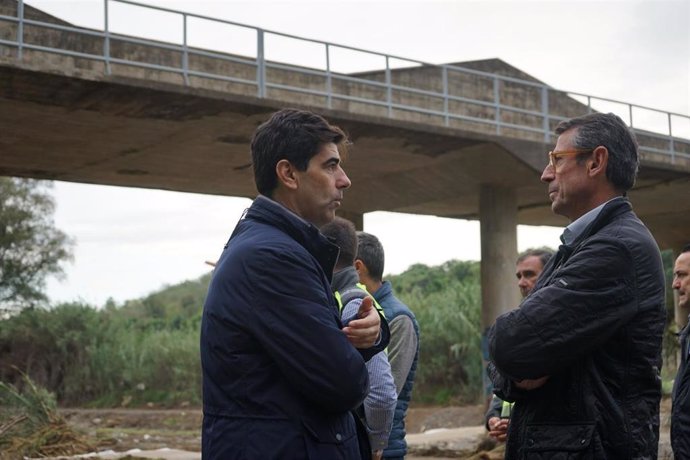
(465, 140)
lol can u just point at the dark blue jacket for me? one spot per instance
(392, 307)
(680, 413)
(594, 324)
(279, 376)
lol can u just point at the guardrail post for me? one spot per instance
(20, 30)
(630, 114)
(670, 140)
(445, 96)
(329, 84)
(389, 90)
(545, 118)
(260, 64)
(497, 105)
(589, 104)
(106, 38)
(185, 51)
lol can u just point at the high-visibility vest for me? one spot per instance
(359, 292)
(506, 409)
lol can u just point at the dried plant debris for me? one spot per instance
(31, 427)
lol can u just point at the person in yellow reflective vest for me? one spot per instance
(377, 411)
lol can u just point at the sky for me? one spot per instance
(131, 242)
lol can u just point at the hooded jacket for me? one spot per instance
(279, 376)
(593, 324)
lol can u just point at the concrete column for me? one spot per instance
(498, 229)
(354, 217)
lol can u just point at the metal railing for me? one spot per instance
(448, 95)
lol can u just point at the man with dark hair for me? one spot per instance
(403, 351)
(680, 412)
(581, 356)
(378, 408)
(280, 373)
(529, 265)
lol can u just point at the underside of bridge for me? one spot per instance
(173, 138)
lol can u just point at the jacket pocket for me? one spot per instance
(330, 440)
(558, 442)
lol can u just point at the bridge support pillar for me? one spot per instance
(498, 230)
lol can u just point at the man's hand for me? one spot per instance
(377, 455)
(363, 332)
(498, 428)
(528, 384)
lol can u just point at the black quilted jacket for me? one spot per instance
(594, 325)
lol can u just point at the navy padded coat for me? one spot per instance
(279, 376)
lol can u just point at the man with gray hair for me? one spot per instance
(581, 356)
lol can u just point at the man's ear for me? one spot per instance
(598, 161)
(285, 172)
(360, 267)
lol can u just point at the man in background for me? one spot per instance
(680, 412)
(378, 408)
(403, 350)
(528, 267)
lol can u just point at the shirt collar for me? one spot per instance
(577, 226)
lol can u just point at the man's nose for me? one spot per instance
(548, 174)
(676, 283)
(343, 180)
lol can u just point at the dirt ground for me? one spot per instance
(125, 429)
(149, 429)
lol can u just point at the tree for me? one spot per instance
(31, 248)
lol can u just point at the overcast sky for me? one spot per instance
(131, 242)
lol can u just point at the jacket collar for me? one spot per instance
(344, 279)
(385, 290)
(611, 209)
(268, 211)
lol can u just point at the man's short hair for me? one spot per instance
(344, 234)
(290, 134)
(370, 252)
(544, 255)
(609, 130)
(685, 249)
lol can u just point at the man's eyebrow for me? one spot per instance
(335, 160)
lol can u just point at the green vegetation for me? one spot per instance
(31, 248)
(447, 303)
(146, 351)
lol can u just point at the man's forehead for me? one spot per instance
(683, 261)
(327, 152)
(529, 262)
